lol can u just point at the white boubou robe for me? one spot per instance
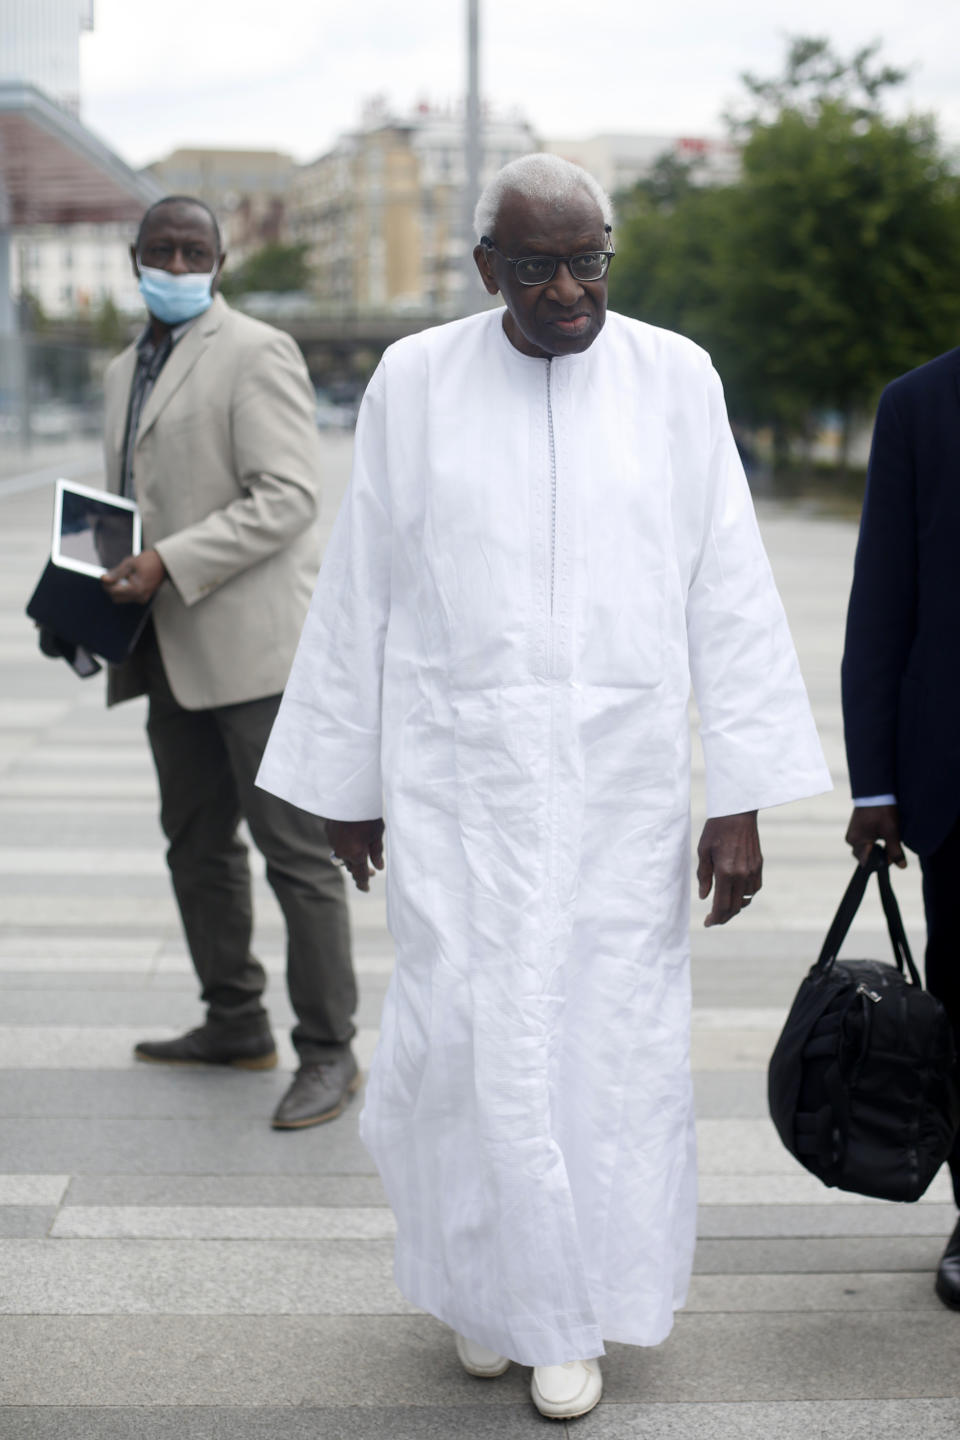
(532, 560)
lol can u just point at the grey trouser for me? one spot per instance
(207, 761)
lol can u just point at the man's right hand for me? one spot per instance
(136, 579)
(356, 842)
(870, 823)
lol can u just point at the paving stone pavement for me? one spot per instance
(172, 1269)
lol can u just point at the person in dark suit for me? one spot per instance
(901, 676)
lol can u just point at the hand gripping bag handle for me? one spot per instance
(876, 861)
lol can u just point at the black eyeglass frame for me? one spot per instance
(567, 260)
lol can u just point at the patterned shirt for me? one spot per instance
(152, 355)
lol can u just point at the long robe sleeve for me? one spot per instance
(324, 751)
(759, 741)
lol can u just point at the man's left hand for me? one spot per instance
(354, 843)
(136, 579)
(730, 861)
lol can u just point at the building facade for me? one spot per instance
(67, 270)
(382, 212)
(248, 190)
(40, 45)
(619, 160)
(73, 271)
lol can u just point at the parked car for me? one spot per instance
(334, 414)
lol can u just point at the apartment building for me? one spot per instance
(381, 212)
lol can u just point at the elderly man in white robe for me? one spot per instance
(548, 532)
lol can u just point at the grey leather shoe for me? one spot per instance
(948, 1272)
(212, 1045)
(319, 1092)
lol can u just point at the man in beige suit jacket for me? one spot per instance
(210, 426)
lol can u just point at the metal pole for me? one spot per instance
(14, 383)
(8, 311)
(471, 155)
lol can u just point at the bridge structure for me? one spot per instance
(348, 345)
(345, 345)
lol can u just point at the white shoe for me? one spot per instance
(562, 1392)
(478, 1360)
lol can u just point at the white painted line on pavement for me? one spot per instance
(80, 462)
(97, 1047)
(224, 1222)
(33, 1189)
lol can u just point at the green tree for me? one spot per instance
(274, 267)
(828, 268)
(32, 318)
(846, 243)
(815, 75)
(109, 326)
(670, 257)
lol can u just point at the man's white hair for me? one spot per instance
(539, 176)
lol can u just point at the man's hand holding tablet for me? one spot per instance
(136, 579)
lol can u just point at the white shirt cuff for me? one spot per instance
(874, 800)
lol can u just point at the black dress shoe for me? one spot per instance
(213, 1045)
(948, 1272)
(319, 1092)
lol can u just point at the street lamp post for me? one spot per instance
(8, 313)
(471, 151)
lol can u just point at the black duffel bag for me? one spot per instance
(862, 1083)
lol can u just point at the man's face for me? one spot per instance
(179, 238)
(564, 316)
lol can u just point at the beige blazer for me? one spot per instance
(226, 474)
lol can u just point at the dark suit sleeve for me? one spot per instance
(881, 621)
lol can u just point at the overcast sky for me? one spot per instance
(292, 74)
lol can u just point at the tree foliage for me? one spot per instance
(829, 267)
(273, 267)
(815, 75)
(109, 326)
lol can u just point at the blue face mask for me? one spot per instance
(175, 298)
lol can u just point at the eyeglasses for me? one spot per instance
(158, 254)
(540, 269)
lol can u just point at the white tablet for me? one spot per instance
(92, 530)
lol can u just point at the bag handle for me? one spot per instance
(877, 861)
